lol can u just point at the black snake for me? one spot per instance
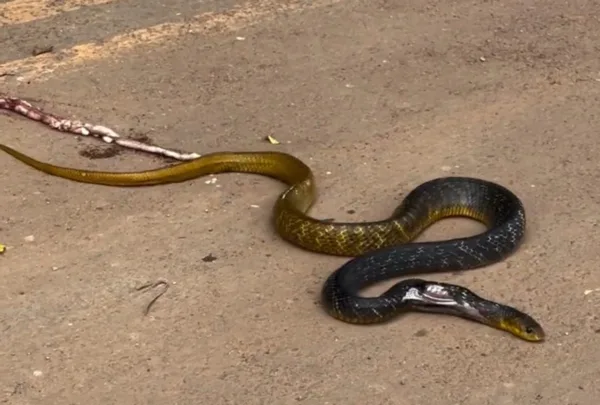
(382, 247)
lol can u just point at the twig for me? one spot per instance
(154, 285)
(76, 127)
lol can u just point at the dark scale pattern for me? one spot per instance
(487, 202)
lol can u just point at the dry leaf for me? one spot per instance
(272, 140)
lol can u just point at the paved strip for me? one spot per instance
(39, 68)
(24, 11)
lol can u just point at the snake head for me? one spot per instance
(498, 315)
(514, 321)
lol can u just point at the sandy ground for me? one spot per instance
(377, 96)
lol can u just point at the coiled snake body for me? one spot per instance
(381, 247)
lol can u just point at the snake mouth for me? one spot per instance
(438, 298)
(430, 294)
(459, 301)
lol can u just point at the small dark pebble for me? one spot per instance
(351, 212)
(209, 258)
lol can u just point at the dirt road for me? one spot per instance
(378, 97)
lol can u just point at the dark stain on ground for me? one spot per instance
(421, 333)
(140, 137)
(209, 258)
(41, 49)
(112, 150)
(101, 152)
(109, 151)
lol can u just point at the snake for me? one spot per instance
(378, 250)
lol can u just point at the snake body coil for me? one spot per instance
(381, 246)
(495, 206)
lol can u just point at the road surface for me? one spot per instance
(377, 97)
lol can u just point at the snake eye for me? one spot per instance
(529, 329)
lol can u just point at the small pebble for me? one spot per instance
(37, 373)
(29, 238)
